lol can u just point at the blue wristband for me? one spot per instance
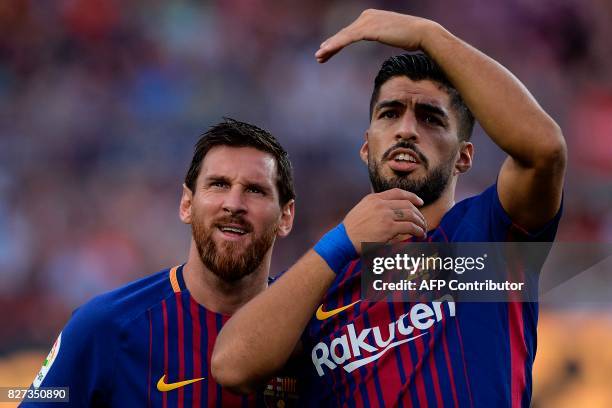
(336, 248)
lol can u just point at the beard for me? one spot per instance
(231, 261)
(429, 187)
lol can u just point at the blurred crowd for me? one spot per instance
(101, 102)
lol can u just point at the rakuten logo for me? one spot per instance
(353, 351)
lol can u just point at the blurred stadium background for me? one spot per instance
(101, 102)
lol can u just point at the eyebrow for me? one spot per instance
(214, 178)
(250, 184)
(431, 108)
(394, 103)
(423, 106)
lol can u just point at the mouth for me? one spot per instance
(403, 160)
(233, 232)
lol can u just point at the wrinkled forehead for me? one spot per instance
(409, 92)
(243, 164)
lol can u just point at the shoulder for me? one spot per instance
(486, 200)
(483, 218)
(112, 309)
(477, 218)
(84, 353)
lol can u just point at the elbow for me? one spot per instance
(553, 154)
(228, 373)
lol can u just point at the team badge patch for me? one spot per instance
(48, 362)
(281, 392)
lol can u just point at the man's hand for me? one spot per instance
(390, 216)
(394, 29)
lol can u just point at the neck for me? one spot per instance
(434, 212)
(218, 295)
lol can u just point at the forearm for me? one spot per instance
(500, 102)
(257, 341)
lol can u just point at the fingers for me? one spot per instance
(409, 215)
(399, 194)
(337, 42)
(404, 230)
(332, 46)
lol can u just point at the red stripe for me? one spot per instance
(516, 329)
(194, 310)
(432, 362)
(368, 376)
(211, 330)
(165, 317)
(404, 352)
(341, 284)
(181, 347)
(410, 369)
(388, 371)
(370, 385)
(150, 358)
(421, 394)
(337, 376)
(338, 382)
(449, 367)
(432, 366)
(358, 380)
(443, 233)
(467, 379)
(518, 352)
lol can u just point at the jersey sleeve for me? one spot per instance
(501, 226)
(81, 359)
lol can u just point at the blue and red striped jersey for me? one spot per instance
(147, 344)
(434, 354)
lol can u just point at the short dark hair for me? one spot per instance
(231, 132)
(419, 66)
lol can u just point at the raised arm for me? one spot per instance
(530, 181)
(258, 340)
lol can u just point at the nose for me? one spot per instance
(407, 127)
(233, 201)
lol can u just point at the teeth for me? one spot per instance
(405, 157)
(232, 229)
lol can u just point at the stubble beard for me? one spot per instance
(429, 187)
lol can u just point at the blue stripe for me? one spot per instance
(426, 370)
(461, 382)
(157, 354)
(204, 347)
(396, 352)
(440, 362)
(219, 323)
(379, 395)
(342, 376)
(188, 344)
(172, 348)
(181, 279)
(413, 389)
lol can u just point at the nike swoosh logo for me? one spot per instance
(164, 387)
(322, 314)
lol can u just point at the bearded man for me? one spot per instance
(149, 343)
(364, 353)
